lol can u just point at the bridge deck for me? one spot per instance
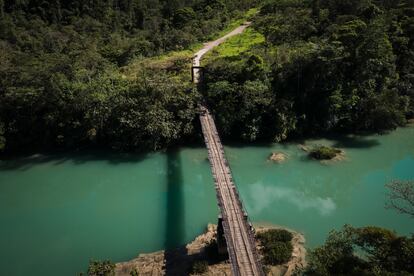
(237, 231)
(239, 237)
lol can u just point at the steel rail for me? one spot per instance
(239, 237)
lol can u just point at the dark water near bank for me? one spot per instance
(57, 212)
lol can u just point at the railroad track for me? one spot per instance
(237, 231)
(239, 236)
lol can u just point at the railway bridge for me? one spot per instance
(237, 230)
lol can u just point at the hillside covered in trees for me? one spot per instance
(324, 65)
(80, 73)
(61, 80)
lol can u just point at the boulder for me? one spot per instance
(278, 157)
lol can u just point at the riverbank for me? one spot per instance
(180, 261)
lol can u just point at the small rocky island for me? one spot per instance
(282, 253)
(277, 157)
(325, 153)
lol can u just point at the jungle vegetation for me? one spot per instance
(324, 66)
(100, 73)
(69, 76)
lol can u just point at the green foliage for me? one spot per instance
(305, 67)
(277, 246)
(183, 16)
(101, 268)
(275, 235)
(329, 65)
(363, 251)
(60, 76)
(236, 45)
(152, 114)
(239, 107)
(239, 92)
(199, 267)
(324, 153)
(278, 253)
(134, 272)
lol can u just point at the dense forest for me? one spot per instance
(325, 65)
(367, 250)
(61, 81)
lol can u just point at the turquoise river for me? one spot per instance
(59, 211)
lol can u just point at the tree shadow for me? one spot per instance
(241, 144)
(360, 141)
(23, 163)
(354, 142)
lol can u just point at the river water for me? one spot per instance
(59, 211)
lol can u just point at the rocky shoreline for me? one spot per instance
(179, 261)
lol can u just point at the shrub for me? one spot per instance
(277, 246)
(134, 272)
(101, 268)
(275, 235)
(324, 153)
(199, 267)
(278, 253)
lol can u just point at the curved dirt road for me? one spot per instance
(210, 45)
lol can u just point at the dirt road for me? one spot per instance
(210, 45)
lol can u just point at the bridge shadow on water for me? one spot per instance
(178, 261)
(175, 250)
